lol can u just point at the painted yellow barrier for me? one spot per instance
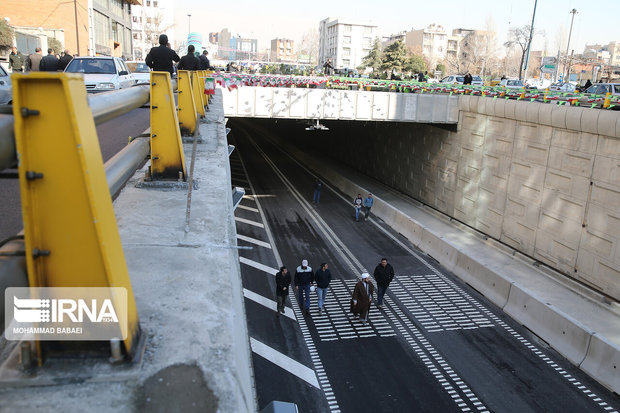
(188, 119)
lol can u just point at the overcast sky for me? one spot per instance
(595, 22)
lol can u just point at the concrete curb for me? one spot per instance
(593, 353)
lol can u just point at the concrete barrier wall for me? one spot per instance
(304, 103)
(532, 175)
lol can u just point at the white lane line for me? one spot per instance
(247, 208)
(250, 197)
(247, 221)
(285, 362)
(258, 266)
(264, 301)
(254, 241)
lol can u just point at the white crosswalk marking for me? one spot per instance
(285, 362)
(258, 266)
(247, 208)
(254, 241)
(247, 221)
(264, 301)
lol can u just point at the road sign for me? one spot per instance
(549, 64)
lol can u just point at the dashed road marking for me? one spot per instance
(254, 241)
(247, 208)
(258, 266)
(247, 221)
(266, 302)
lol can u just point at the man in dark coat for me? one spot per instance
(33, 61)
(64, 60)
(49, 63)
(303, 279)
(318, 187)
(160, 58)
(16, 60)
(322, 278)
(283, 281)
(204, 61)
(189, 61)
(384, 274)
(467, 79)
(362, 297)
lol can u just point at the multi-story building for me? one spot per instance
(223, 43)
(214, 37)
(282, 50)
(614, 51)
(149, 20)
(346, 43)
(242, 49)
(431, 41)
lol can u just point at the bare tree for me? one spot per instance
(153, 24)
(310, 45)
(519, 37)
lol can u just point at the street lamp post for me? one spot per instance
(77, 30)
(529, 43)
(570, 32)
(189, 25)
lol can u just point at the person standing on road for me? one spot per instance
(368, 202)
(283, 281)
(357, 204)
(384, 274)
(322, 278)
(64, 60)
(303, 280)
(204, 61)
(468, 79)
(16, 60)
(328, 69)
(318, 187)
(160, 57)
(49, 63)
(189, 61)
(33, 61)
(362, 297)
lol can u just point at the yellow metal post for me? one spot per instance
(70, 229)
(607, 101)
(167, 159)
(187, 106)
(198, 94)
(202, 76)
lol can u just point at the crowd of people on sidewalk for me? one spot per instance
(305, 279)
(36, 62)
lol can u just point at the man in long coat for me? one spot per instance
(362, 297)
(283, 281)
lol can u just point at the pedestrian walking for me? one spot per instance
(303, 279)
(384, 274)
(189, 61)
(357, 204)
(16, 60)
(33, 61)
(283, 281)
(160, 57)
(318, 187)
(368, 202)
(49, 63)
(362, 297)
(64, 60)
(322, 278)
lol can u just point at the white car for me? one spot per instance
(6, 89)
(563, 87)
(459, 79)
(512, 83)
(140, 71)
(102, 73)
(604, 88)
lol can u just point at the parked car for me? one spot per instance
(563, 87)
(140, 71)
(102, 73)
(512, 83)
(6, 88)
(459, 79)
(603, 88)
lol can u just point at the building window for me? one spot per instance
(154, 4)
(134, 19)
(346, 62)
(148, 3)
(346, 39)
(347, 28)
(102, 29)
(367, 30)
(346, 51)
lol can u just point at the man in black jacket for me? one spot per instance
(384, 274)
(204, 61)
(303, 279)
(160, 58)
(189, 61)
(64, 60)
(283, 280)
(49, 63)
(322, 278)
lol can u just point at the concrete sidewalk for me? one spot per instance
(581, 325)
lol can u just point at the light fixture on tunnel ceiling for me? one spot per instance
(317, 126)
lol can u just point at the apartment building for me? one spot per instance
(149, 20)
(282, 50)
(346, 43)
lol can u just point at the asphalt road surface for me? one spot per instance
(437, 345)
(113, 136)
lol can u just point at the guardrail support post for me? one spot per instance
(167, 159)
(70, 229)
(198, 93)
(187, 106)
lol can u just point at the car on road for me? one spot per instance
(604, 88)
(102, 73)
(6, 88)
(140, 71)
(512, 83)
(459, 79)
(563, 87)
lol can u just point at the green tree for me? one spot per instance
(415, 64)
(441, 68)
(373, 58)
(54, 43)
(6, 35)
(395, 57)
